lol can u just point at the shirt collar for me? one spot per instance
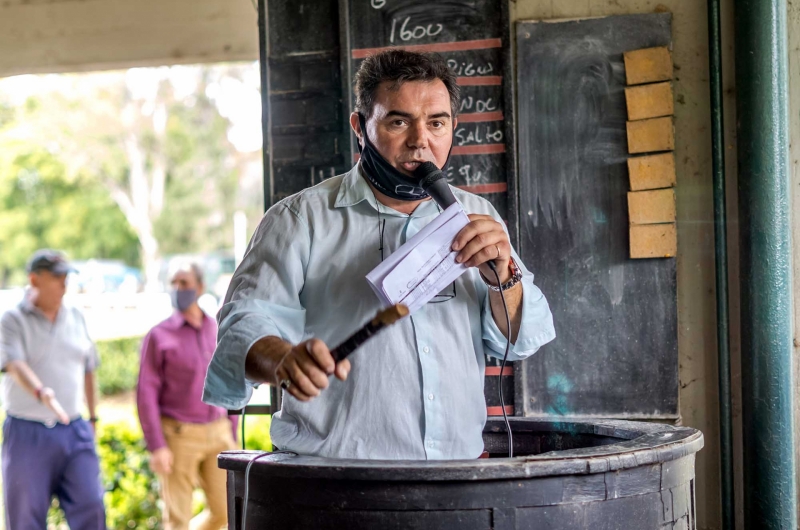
(177, 320)
(28, 307)
(354, 189)
(25, 304)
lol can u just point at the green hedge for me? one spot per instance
(256, 433)
(131, 497)
(119, 365)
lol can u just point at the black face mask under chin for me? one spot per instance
(385, 177)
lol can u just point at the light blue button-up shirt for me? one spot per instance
(415, 390)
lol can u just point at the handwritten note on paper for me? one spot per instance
(424, 265)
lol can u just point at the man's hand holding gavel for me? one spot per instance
(301, 370)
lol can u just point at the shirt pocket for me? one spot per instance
(75, 348)
(182, 366)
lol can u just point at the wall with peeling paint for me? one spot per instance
(699, 403)
(83, 35)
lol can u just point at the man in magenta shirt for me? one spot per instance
(183, 434)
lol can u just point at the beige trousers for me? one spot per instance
(194, 463)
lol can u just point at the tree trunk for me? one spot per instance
(143, 201)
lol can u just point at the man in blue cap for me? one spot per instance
(48, 448)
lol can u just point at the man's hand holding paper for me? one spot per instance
(424, 265)
(439, 254)
(481, 241)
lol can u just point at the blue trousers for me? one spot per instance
(41, 461)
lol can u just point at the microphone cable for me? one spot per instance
(247, 480)
(244, 412)
(503, 364)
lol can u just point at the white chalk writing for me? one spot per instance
(469, 175)
(417, 32)
(465, 69)
(478, 105)
(479, 133)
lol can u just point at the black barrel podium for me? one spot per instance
(594, 474)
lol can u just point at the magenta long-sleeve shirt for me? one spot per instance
(174, 360)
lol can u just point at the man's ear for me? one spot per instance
(356, 126)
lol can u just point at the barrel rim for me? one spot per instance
(640, 444)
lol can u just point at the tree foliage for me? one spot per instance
(119, 364)
(42, 206)
(126, 165)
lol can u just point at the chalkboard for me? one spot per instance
(616, 354)
(472, 35)
(303, 118)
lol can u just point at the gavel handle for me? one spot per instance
(383, 319)
(352, 343)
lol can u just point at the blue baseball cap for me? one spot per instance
(49, 260)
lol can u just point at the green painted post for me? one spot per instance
(721, 261)
(766, 320)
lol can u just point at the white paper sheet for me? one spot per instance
(424, 265)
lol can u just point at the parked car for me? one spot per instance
(104, 276)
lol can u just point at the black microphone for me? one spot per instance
(433, 182)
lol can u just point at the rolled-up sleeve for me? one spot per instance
(148, 389)
(536, 328)
(263, 300)
(10, 340)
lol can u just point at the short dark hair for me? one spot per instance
(400, 66)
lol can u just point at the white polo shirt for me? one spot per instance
(59, 353)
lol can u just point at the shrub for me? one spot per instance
(131, 487)
(131, 496)
(119, 364)
(256, 433)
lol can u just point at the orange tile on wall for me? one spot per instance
(654, 241)
(651, 207)
(648, 65)
(649, 101)
(647, 136)
(652, 172)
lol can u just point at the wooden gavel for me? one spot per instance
(384, 318)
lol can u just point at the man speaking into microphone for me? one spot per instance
(414, 391)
